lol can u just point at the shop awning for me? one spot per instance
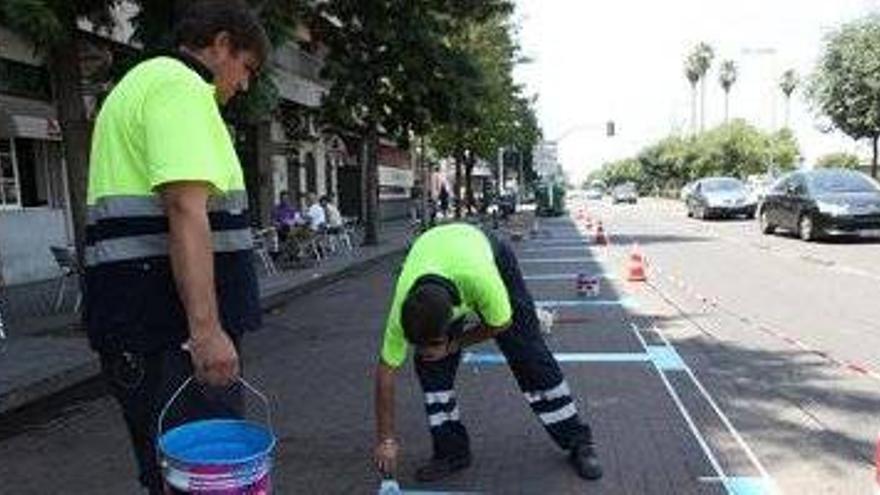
(27, 118)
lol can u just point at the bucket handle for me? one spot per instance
(188, 381)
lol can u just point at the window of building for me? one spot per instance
(25, 179)
(25, 80)
(311, 173)
(9, 188)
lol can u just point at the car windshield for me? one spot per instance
(719, 185)
(626, 188)
(841, 182)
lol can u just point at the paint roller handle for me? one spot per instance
(160, 426)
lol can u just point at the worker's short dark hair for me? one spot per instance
(426, 312)
(202, 20)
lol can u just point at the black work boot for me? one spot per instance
(440, 467)
(585, 462)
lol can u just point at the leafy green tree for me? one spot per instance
(52, 26)
(394, 71)
(727, 78)
(491, 111)
(845, 86)
(839, 160)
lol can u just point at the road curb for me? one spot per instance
(17, 398)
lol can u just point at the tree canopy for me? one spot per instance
(735, 149)
(845, 86)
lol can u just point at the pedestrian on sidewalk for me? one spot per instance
(170, 290)
(316, 214)
(453, 272)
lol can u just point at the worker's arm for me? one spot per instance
(214, 358)
(476, 335)
(386, 444)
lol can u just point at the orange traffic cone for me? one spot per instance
(636, 267)
(601, 239)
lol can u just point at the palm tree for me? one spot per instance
(788, 84)
(702, 56)
(693, 77)
(727, 78)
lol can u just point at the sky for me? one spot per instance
(623, 60)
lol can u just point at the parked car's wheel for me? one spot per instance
(807, 228)
(766, 226)
(701, 213)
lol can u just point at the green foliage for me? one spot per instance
(735, 149)
(47, 22)
(845, 86)
(839, 160)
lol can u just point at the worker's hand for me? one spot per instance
(385, 454)
(453, 345)
(214, 359)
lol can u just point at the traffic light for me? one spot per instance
(609, 128)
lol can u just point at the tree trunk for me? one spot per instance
(265, 182)
(457, 192)
(425, 202)
(469, 183)
(694, 108)
(293, 176)
(75, 131)
(874, 158)
(371, 186)
(787, 109)
(703, 104)
(726, 106)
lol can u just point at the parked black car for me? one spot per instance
(822, 202)
(720, 197)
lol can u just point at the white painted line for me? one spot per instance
(716, 466)
(724, 419)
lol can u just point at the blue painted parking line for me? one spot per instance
(626, 302)
(738, 485)
(423, 492)
(564, 357)
(567, 276)
(666, 358)
(559, 260)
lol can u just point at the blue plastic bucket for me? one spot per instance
(217, 456)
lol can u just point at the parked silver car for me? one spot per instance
(720, 197)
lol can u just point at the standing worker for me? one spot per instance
(451, 272)
(170, 281)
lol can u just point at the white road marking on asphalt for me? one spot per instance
(673, 394)
(724, 419)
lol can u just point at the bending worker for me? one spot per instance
(452, 272)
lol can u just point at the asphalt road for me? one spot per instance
(742, 366)
(782, 332)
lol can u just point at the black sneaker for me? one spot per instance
(439, 468)
(585, 462)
